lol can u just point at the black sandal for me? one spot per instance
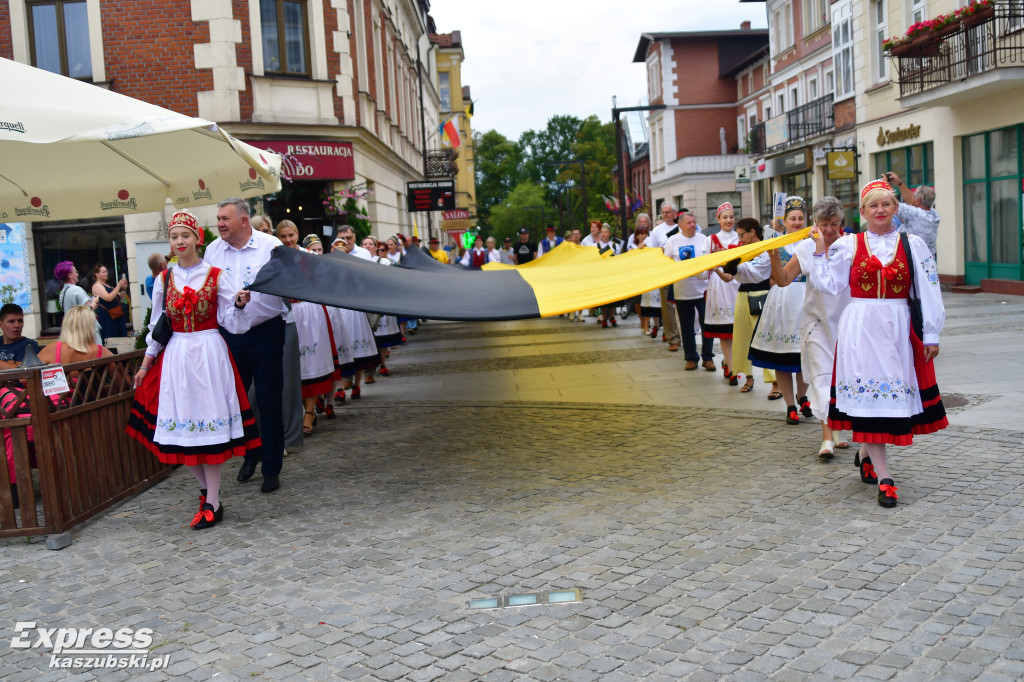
(748, 386)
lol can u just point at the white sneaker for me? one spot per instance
(285, 453)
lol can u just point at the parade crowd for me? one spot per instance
(842, 327)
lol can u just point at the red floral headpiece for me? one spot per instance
(186, 219)
(724, 207)
(873, 185)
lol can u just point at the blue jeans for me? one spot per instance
(686, 311)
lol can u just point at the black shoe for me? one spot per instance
(805, 407)
(887, 493)
(247, 470)
(792, 417)
(207, 517)
(867, 472)
(270, 484)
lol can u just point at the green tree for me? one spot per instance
(595, 146)
(524, 207)
(497, 171)
(540, 148)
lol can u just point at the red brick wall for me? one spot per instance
(243, 57)
(697, 131)
(695, 73)
(846, 114)
(6, 48)
(333, 58)
(148, 51)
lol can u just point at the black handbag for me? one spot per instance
(916, 314)
(162, 329)
(756, 303)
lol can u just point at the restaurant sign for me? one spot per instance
(312, 159)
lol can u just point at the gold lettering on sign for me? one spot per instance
(911, 132)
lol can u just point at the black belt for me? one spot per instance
(757, 286)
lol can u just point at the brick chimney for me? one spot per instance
(745, 26)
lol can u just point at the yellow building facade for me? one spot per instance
(455, 100)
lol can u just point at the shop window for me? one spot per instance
(86, 245)
(285, 30)
(913, 164)
(992, 205)
(847, 192)
(59, 38)
(798, 184)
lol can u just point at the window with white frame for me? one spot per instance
(782, 28)
(830, 82)
(794, 96)
(445, 88)
(285, 30)
(815, 15)
(741, 129)
(918, 10)
(812, 88)
(654, 76)
(842, 47)
(880, 67)
(782, 102)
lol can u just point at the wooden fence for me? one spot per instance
(86, 462)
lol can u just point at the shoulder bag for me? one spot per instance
(916, 314)
(162, 329)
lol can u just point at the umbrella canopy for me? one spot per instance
(70, 150)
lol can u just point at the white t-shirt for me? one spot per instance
(681, 247)
(660, 234)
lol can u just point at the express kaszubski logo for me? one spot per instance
(124, 200)
(254, 181)
(90, 648)
(35, 207)
(203, 192)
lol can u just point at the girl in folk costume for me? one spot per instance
(722, 288)
(649, 308)
(607, 247)
(883, 384)
(317, 352)
(819, 319)
(190, 405)
(754, 283)
(478, 256)
(776, 341)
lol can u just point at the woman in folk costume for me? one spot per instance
(190, 405)
(883, 384)
(819, 318)
(754, 283)
(317, 351)
(606, 245)
(722, 288)
(776, 341)
(649, 307)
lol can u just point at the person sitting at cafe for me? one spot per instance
(13, 345)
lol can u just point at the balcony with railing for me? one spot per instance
(441, 163)
(804, 122)
(981, 55)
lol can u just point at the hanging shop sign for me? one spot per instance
(431, 195)
(312, 159)
(841, 165)
(911, 132)
(742, 178)
(455, 221)
(797, 162)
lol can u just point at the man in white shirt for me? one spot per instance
(659, 235)
(917, 212)
(549, 242)
(241, 252)
(347, 235)
(689, 293)
(595, 234)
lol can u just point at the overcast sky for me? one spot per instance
(530, 60)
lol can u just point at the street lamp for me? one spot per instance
(583, 183)
(618, 158)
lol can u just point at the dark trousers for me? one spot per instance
(686, 311)
(257, 354)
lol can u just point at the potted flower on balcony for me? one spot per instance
(976, 13)
(897, 46)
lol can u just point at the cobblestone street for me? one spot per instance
(704, 534)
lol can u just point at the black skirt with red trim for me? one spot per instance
(142, 425)
(896, 430)
(718, 331)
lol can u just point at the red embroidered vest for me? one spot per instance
(193, 311)
(870, 278)
(717, 245)
(478, 260)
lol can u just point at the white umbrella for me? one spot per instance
(70, 150)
